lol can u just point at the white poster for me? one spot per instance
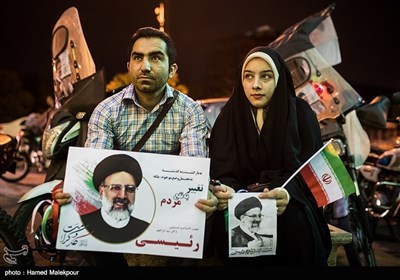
(158, 216)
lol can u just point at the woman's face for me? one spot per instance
(258, 82)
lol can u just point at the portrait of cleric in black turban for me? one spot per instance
(117, 178)
(248, 232)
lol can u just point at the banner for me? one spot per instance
(157, 191)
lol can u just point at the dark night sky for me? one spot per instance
(369, 57)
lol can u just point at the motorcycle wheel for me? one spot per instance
(13, 244)
(362, 232)
(367, 191)
(44, 254)
(21, 162)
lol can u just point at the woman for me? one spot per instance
(262, 136)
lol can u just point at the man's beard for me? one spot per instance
(254, 227)
(117, 214)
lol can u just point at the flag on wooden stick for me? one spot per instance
(326, 176)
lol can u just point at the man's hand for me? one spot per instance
(62, 198)
(208, 205)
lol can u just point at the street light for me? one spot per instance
(159, 11)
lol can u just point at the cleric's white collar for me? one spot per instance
(111, 221)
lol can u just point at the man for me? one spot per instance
(248, 212)
(120, 121)
(117, 179)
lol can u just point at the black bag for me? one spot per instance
(156, 122)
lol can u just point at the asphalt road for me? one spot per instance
(387, 250)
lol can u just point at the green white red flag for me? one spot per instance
(326, 176)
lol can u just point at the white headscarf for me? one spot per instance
(267, 58)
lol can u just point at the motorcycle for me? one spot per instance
(310, 49)
(78, 88)
(12, 241)
(26, 149)
(30, 137)
(14, 166)
(379, 177)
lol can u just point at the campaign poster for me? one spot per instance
(252, 224)
(158, 216)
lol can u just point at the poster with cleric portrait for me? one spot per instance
(252, 225)
(130, 202)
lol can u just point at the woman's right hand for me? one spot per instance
(223, 193)
(62, 198)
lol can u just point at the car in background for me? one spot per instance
(212, 107)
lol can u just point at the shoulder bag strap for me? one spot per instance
(156, 122)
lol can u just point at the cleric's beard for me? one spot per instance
(117, 214)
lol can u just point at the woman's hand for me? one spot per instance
(281, 197)
(223, 193)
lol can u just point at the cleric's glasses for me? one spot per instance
(260, 216)
(118, 187)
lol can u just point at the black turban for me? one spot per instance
(247, 204)
(114, 164)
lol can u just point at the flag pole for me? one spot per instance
(304, 164)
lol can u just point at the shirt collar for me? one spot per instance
(129, 94)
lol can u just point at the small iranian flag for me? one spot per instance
(326, 176)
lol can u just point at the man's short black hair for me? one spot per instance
(150, 32)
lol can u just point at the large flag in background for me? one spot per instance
(326, 176)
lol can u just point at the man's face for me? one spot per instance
(252, 219)
(117, 198)
(149, 67)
